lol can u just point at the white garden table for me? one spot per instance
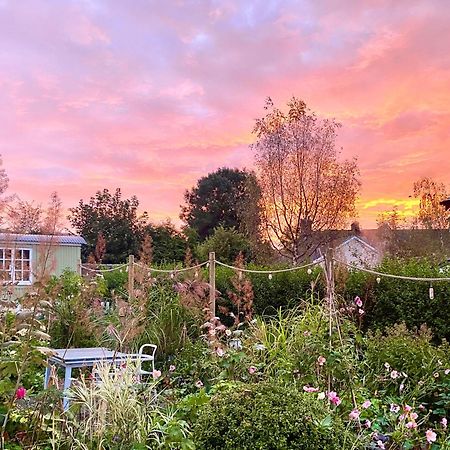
(72, 358)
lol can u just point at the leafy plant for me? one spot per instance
(267, 416)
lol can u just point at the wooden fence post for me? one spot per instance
(79, 268)
(130, 277)
(212, 283)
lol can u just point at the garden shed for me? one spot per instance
(24, 258)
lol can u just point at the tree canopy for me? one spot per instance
(113, 217)
(226, 198)
(305, 188)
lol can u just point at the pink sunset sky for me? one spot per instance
(149, 96)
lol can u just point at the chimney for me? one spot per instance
(356, 229)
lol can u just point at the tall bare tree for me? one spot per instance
(431, 214)
(305, 190)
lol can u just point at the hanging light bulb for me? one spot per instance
(270, 276)
(378, 280)
(196, 274)
(431, 292)
(309, 271)
(172, 275)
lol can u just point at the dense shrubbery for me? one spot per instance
(385, 303)
(267, 416)
(294, 376)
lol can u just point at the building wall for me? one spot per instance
(46, 260)
(357, 254)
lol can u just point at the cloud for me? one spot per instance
(149, 96)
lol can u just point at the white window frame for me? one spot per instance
(12, 269)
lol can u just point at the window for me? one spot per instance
(15, 265)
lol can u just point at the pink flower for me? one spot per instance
(407, 408)
(354, 415)
(366, 404)
(198, 384)
(321, 395)
(361, 311)
(411, 424)
(430, 435)
(307, 333)
(444, 422)
(21, 393)
(394, 374)
(394, 408)
(220, 352)
(172, 368)
(402, 417)
(252, 370)
(156, 374)
(334, 398)
(367, 423)
(358, 302)
(413, 416)
(447, 371)
(381, 445)
(310, 389)
(321, 360)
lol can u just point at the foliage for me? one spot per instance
(226, 198)
(392, 301)
(168, 324)
(431, 213)
(282, 290)
(115, 218)
(168, 244)
(114, 412)
(267, 416)
(226, 243)
(74, 306)
(305, 188)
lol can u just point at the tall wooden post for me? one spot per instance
(212, 283)
(79, 268)
(130, 277)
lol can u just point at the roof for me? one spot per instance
(69, 240)
(359, 239)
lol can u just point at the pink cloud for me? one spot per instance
(98, 94)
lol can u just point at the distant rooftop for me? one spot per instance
(60, 239)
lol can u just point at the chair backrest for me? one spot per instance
(152, 346)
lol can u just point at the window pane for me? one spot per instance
(18, 254)
(26, 275)
(8, 253)
(2, 253)
(26, 254)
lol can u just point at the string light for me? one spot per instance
(378, 280)
(172, 275)
(270, 276)
(431, 292)
(309, 271)
(196, 274)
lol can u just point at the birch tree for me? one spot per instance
(306, 191)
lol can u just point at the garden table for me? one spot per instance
(70, 358)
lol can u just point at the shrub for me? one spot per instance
(168, 324)
(283, 290)
(226, 243)
(392, 301)
(405, 352)
(267, 416)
